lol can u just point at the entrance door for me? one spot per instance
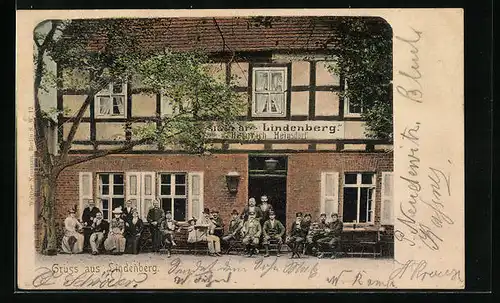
(275, 190)
(269, 182)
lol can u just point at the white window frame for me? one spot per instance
(347, 110)
(172, 190)
(108, 92)
(359, 186)
(110, 194)
(284, 92)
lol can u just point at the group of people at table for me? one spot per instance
(257, 224)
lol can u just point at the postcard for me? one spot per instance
(240, 149)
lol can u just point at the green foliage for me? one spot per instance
(196, 98)
(364, 57)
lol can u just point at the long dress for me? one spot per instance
(133, 232)
(116, 241)
(72, 242)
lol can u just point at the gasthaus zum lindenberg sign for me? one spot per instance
(280, 130)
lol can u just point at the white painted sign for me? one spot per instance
(280, 130)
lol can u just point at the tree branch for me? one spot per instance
(103, 153)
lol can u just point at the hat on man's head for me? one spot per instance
(191, 220)
(206, 210)
(234, 212)
(263, 198)
(117, 210)
(299, 214)
(271, 212)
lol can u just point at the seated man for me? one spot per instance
(72, 242)
(316, 232)
(115, 242)
(205, 228)
(100, 229)
(167, 228)
(219, 224)
(251, 232)
(273, 229)
(297, 235)
(235, 226)
(88, 216)
(133, 230)
(332, 237)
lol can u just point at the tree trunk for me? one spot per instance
(50, 243)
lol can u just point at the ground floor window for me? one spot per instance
(359, 189)
(173, 194)
(111, 191)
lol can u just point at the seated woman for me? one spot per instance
(72, 242)
(133, 230)
(115, 243)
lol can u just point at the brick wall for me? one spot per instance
(215, 168)
(304, 178)
(303, 181)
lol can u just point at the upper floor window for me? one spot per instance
(269, 92)
(351, 109)
(111, 101)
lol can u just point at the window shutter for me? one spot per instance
(195, 194)
(387, 210)
(133, 189)
(148, 180)
(329, 192)
(85, 190)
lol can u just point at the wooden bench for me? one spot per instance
(183, 246)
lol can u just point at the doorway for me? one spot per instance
(269, 182)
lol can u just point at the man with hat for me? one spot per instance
(219, 224)
(88, 216)
(207, 228)
(273, 230)
(316, 232)
(167, 228)
(235, 226)
(251, 208)
(251, 232)
(265, 208)
(155, 216)
(297, 235)
(115, 242)
(127, 211)
(332, 237)
(72, 242)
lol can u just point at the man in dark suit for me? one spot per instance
(127, 211)
(297, 236)
(273, 230)
(219, 224)
(155, 216)
(251, 207)
(332, 238)
(100, 229)
(88, 216)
